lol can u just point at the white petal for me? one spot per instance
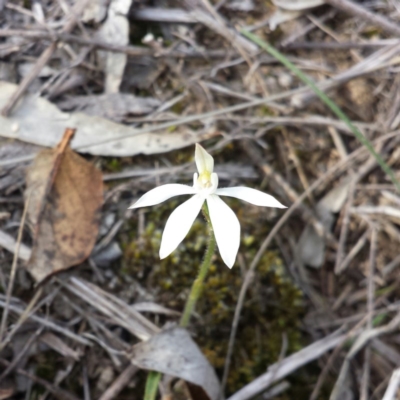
(253, 196)
(214, 182)
(162, 193)
(226, 229)
(204, 161)
(179, 223)
(195, 177)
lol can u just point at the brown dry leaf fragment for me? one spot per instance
(65, 195)
(173, 352)
(360, 95)
(7, 390)
(58, 345)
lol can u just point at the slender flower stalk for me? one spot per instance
(224, 227)
(153, 378)
(199, 281)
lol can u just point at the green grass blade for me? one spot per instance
(331, 104)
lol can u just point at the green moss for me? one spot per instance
(112, 165)
(273, 305)
(45, 365)
(265, 111)
(171, 129)
(179, 107)
(378, 319)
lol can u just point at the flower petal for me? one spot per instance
(226, 229)
(204, 161)
(179, 223)
(250, 195)
(162, 193)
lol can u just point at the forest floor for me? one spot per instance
(311, 308)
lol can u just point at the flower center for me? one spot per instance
(206, 183)
(204, 180)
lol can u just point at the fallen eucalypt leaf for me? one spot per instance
(64, 196)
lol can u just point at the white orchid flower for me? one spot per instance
(205, 188)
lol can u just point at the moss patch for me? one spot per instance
(273, 305)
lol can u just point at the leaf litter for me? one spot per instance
(64, 196)
(192, 61)
(22, 125)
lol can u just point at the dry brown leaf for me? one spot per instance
(64, 194)
(58, 345)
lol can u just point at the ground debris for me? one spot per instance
(142, 81)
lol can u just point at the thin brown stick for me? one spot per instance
(359, 11)
(57, 392)
(248, 278)
(333, 356)
(49, 324)
(337, 139)
(338, 46)
(288, 365)
(345, 227)
(210, 18)
(13, 269)
(22, 352)
(26, 82)
(370, 312)
(119, 384)
(300, 171)
(355, 178)
(362, 340)
(378, 60)
(24, 316)
(133, 51)
(353, 252)
(307, 214)
(297, 34)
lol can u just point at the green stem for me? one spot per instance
(332, 105)
(153, 378)
(198, 283)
